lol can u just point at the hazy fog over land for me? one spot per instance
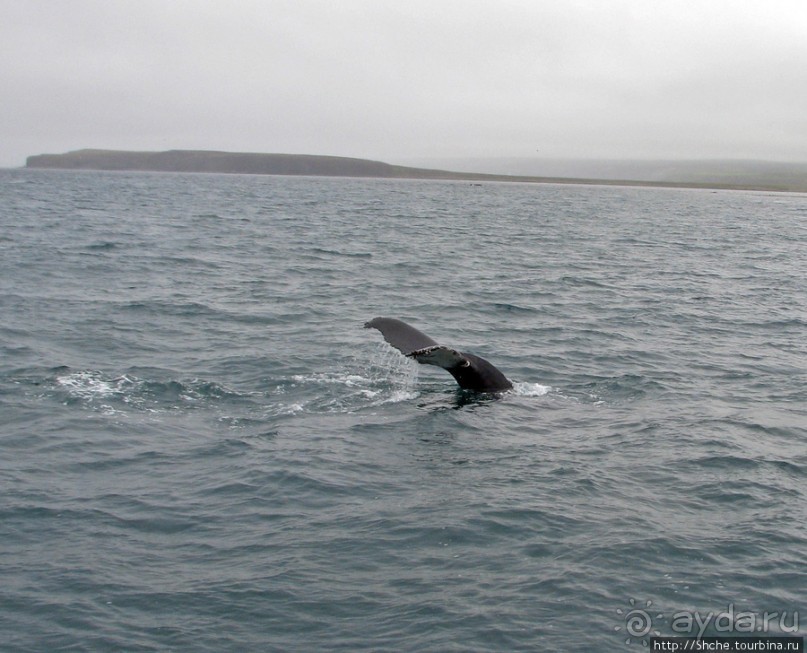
(392, 81)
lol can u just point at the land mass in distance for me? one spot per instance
(762, 176)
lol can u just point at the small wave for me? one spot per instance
(335, 252)
(105, 245)
(582, 281)
(513, 308)
(616, 389)
(180, 309)
(289, 409)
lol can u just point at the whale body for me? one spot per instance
(470, 371)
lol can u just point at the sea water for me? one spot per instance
(201, 449)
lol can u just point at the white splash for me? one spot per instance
(531, 389)
(383, 377)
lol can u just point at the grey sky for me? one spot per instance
(397, 79)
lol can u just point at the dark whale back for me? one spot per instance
(480, 375)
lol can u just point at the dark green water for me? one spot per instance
(202, 450)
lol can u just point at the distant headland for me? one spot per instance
(202, 161)
(235, 163)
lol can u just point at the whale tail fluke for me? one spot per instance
(471, 372)
(406, 339)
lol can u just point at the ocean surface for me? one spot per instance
(201, 449)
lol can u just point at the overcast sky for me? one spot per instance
(393, 80)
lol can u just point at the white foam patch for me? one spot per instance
(96, 389)
(329, 378)
(531, 389)
(400, 395)
(93, 385)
